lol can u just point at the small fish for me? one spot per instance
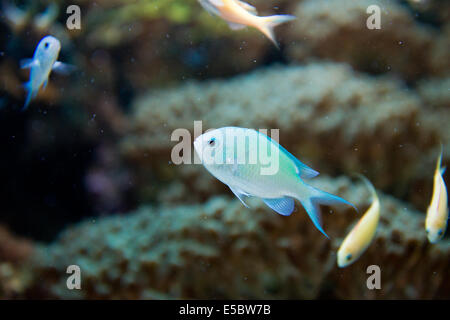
(437, 213)
(239, 15)
(362, 234)
(16, 17)
(44, 20)
(42, 63)
(240, 165)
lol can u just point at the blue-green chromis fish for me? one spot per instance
(252, 164)
(43, 62)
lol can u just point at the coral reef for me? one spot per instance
(345, 98)
(177, 252)
(15, 275)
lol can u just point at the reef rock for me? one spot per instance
(337, 30)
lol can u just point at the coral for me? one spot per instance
(15, 277)
(333, 118)
(13, 249)
(337, 30)
(220, 249)
(435, 92)
(99, 142)
(431, 11)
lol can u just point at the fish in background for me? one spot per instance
(232, 166)
(437, 212)
(362, 234)
(16, 18)
(239, 14)
(43, 62)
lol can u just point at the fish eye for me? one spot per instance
(46, 45)
(212, 142)
(428, 231)
(349, 256)
(439, 233)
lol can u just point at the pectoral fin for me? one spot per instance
(30, 94)
(239, 194)
(283, 206)
(63, 68)
(28, 63)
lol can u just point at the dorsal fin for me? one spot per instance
(302, 169)
(283, 206)
(217, 3)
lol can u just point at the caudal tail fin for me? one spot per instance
(30, 95)
(313, 198)
(267, 24)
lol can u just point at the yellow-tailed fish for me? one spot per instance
(252, 164)
(239, 14)
(42, 63)
(362, 234)
(437, 213)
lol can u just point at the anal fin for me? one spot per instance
(283, 206)
(236, 26)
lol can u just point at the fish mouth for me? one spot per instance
(198, 146)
